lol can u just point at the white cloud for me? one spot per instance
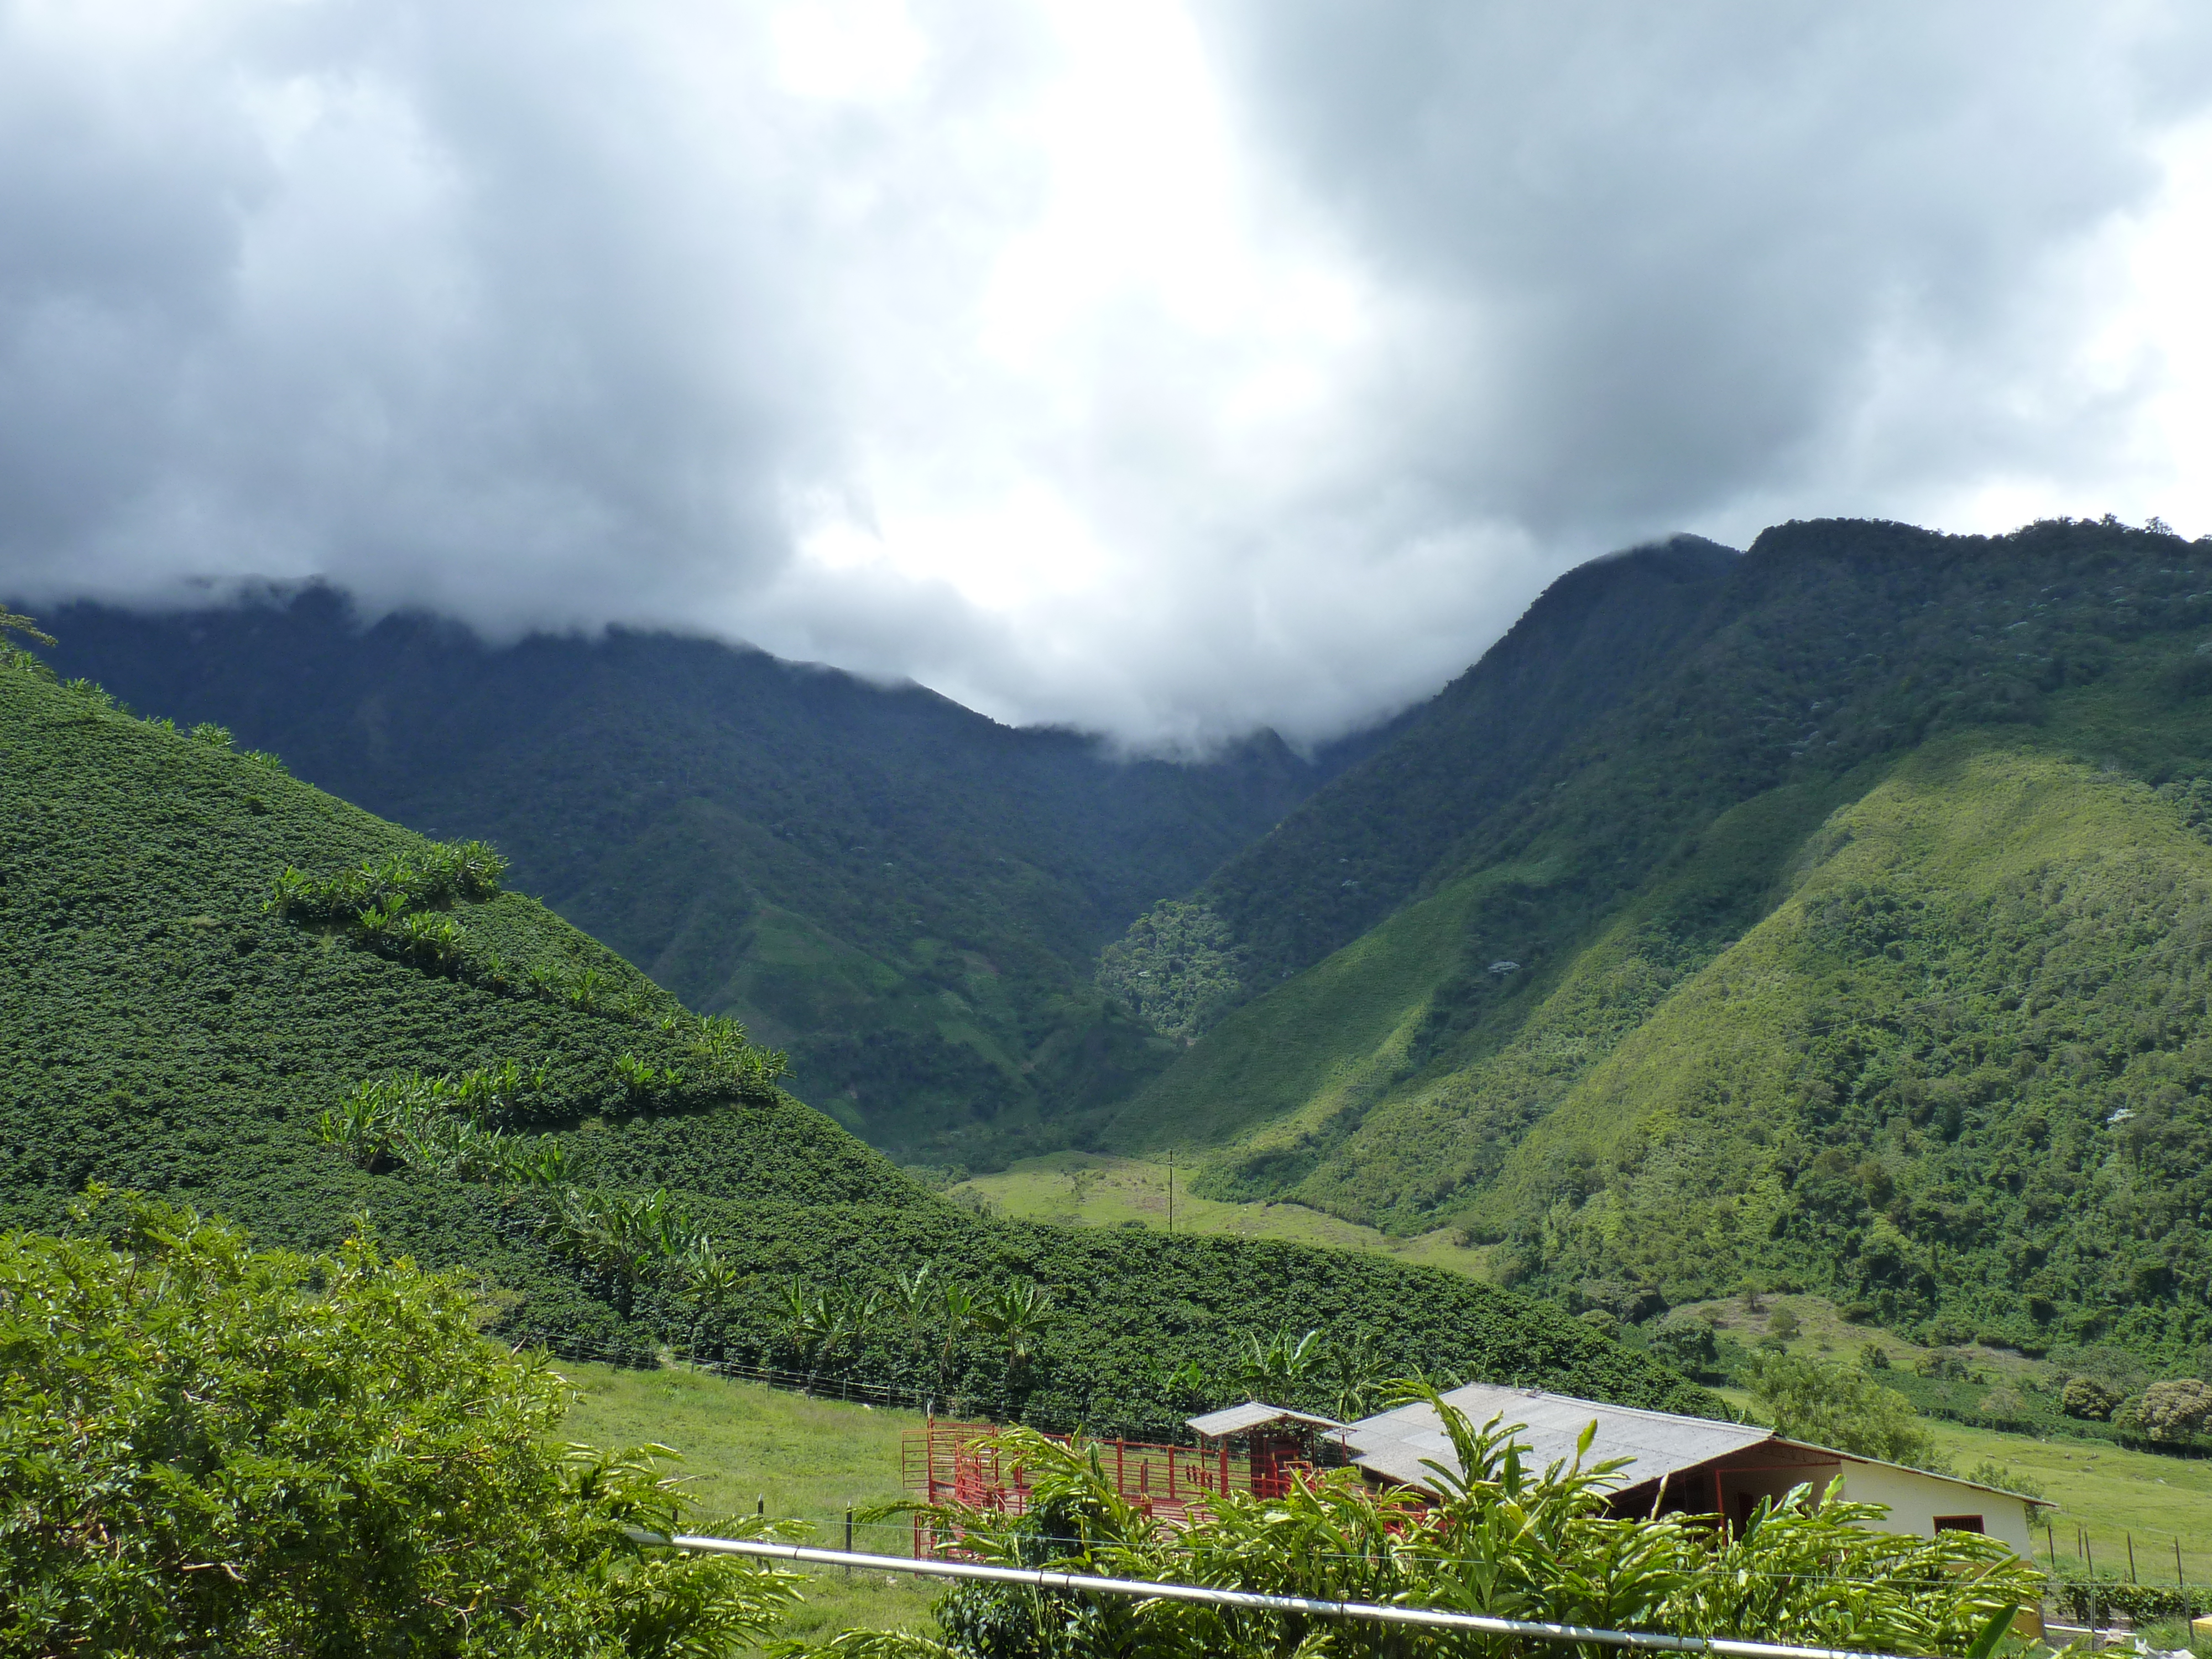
(1158, 369)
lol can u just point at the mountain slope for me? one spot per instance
(162, 1027)
(1853, 950)
(904, 894)
(1364, 844)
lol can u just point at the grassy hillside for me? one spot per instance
(631, 1184)
(906, 896)
(1860, 951)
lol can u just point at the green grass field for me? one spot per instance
(744, 1445)
(1083, 1189)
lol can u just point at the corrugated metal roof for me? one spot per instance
(1394, 1444)
(1235, 1420)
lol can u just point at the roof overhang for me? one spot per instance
(1254, 1414)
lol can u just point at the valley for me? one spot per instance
(1088, 1189)
(1618, 1019)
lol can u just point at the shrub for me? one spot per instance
(206, 1449)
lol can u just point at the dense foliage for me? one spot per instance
(1501, 1538)
(904, 895)
(1861, 949)
(621, 1172)
(208, 1448)
(1841, 1406)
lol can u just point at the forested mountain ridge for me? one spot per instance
(906, 896)
(1362, 844)
(1857, 949)
(204, 961)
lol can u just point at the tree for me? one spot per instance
(1019, 1312)
(13, 654)
(957, 1303)
(1686, 1343)
(208, 1448)
(1842, 1407)
(2175, 1411)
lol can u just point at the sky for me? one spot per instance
(1164, 369)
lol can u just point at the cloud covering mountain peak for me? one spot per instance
(1164, 369)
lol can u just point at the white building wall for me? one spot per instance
(1916, 1498)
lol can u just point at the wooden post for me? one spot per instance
(1171, 1463)
(2188, 1613)
(2089, 1561)
(1122, 1484)
(848, 1535)
(2131, 1557)
(1224, 1469)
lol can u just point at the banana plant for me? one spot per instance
(1355, 1377)
(14, 655)
(362, 1127)
(643, 1081)
(958, 1306)
(1279, 1370)
(1019, 1312)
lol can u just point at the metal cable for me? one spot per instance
(1041, 1579)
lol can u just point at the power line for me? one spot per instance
(1086, 1584)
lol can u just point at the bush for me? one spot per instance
(2088, 1398)
(203, 1449)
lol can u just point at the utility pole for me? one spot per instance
(1170, 1192)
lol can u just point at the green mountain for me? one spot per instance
(1856, 943)
(906, 896)
(221, 985)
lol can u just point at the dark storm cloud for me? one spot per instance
(1687, 243)
(1167, 372)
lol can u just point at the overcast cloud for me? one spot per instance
(1165, 369)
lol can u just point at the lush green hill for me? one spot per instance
(163, 1027)
(906, 896)
(1860, 948)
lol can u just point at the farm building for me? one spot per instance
(1679, 1465)
(1685, 1464)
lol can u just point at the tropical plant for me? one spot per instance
(13, 654)
(1279, 1369)
(1356, 1376)
(1019, 1312)
(959, 1309)
(623, 1239)
(204, 1449)
(642, 1081)
(1494, 1535)
(583, 988)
